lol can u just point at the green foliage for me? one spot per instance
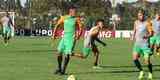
(91, 8)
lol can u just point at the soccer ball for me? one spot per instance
(71, 77)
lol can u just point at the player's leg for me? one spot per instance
(5, 35)
(96, 55)
(147, 61)
(66, 61)
(152, 43)
(136, 61)
(59, 60)
(60, 56)
(77, 54)
(5, 38)
(158, 49)
(85, 50)
(69, 45)
(136, 55)
(8, 34)
(84, 54)
(158, 45)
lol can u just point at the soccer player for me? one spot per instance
(70, 23)
(6, 22)
(155, 40)
(142, 33)
(89, 43)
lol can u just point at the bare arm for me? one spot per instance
(79, 26)
(10, 21)
(1, 22)
(98, 40)
(150, 29)
(94, 32)
(134, 31)
(60, 21)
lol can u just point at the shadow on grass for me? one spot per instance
(33, 51)
(104, 70)
(156, 78)
(109, 66)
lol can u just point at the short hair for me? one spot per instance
(71, 7)
(141, 11)
(7, 14)
(99, 20)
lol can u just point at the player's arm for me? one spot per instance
(0, 24)
(79, 26)
(10, 21)
(1, 21)
(134, 31)
(150, 29)
(60, 21)
(98, 40)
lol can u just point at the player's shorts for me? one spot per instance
(89, 45)
(155, 40)
(66, 44)
(143, 51)
(86, 51)
(6, 31)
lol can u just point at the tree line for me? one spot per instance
(41, 10)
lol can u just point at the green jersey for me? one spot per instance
(67, 43)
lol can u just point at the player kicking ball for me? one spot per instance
(89, 43)
(70, 23)
(155, 39)
(6, 22)
(142, 33)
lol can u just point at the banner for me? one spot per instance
(59, 33)
(103, 34)
(123, 34)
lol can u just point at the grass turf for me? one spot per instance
(34, 58)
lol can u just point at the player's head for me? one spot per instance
(157, 14)
(141, 15)
(7, 14)
(72, 11)
(100, 23)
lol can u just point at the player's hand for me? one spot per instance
(104, 44)
(54, 36)
(77, 37)
(145, 37)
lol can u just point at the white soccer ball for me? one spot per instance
(71, 77)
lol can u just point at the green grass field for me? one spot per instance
(27, 58)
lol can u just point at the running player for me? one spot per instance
(155, 40)
(70, 23)
(6, 22)
(89, 43)
(142, 32)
